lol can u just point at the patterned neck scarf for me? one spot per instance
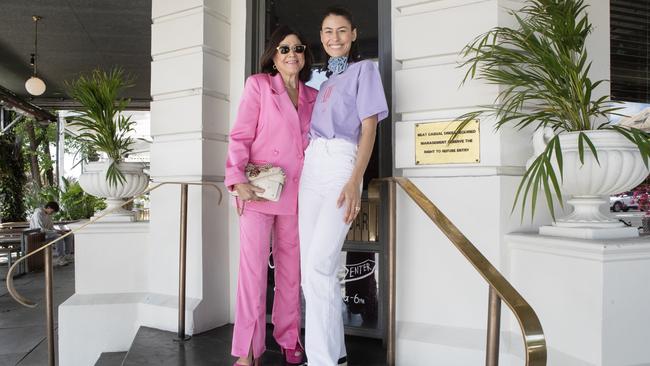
(337, 65)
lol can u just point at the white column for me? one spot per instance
(238, 51)
(190, 85)
(591, 295)
(441, 300)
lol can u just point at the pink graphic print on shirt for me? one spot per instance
(327, 93)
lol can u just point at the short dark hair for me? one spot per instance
(354, 55)
(53, 205)
(266, 61)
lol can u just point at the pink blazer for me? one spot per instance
(268, 129)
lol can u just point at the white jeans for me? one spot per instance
(328, 166)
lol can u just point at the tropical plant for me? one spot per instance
(75, 204)
(12, 178)
(543, 70)
(36, 139)
(103, 126)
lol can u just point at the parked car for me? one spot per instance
(623, 202)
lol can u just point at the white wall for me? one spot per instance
(190, 85)
(237, 73)
(441, 300)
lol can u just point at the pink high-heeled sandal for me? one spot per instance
(255, 363)
(294, 356)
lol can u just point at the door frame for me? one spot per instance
(256, 13)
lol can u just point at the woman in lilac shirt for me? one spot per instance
(343, 128)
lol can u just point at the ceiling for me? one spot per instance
(75, 36)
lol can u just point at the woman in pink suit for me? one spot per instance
(271, 127)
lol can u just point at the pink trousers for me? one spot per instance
(256, 230)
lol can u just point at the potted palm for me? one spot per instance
(106, 131)
(542, 68)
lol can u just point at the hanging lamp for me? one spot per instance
(35, 85)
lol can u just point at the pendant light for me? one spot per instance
(35, 85)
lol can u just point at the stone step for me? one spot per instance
(111, 359)
(160, 348)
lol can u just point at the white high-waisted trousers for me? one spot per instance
(328, 167)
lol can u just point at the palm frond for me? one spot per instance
(99, 118)
(542, 67)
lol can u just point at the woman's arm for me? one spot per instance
(351, 194)
(242, 136)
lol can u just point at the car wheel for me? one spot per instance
(618, 206)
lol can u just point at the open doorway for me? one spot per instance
(364, 288)
(374, 29)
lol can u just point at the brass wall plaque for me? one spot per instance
(432, 146)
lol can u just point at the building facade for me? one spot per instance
(201, 54)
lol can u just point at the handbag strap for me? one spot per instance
(240, 210)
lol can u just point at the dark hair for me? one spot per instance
(266, 61)
(354, 54)
(53, 205)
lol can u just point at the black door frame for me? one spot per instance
(256, 19)
(255, 23)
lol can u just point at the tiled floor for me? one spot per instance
(22, 330)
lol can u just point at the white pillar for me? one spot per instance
(441, 300)
(591, 295)
(190, 86)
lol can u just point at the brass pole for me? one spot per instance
(392, 271)
(493, 329)
(182, 259)
(49, 307)
(20, 262)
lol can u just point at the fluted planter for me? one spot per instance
(589, 185)
(93, 181)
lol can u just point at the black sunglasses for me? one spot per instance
(299, 48)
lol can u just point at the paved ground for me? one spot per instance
(22, 330)
(631, 217)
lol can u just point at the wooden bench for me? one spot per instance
(22, 241)
(14, 225)
(10, 244)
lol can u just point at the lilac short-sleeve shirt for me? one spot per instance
(346, 99)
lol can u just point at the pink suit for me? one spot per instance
(268, 129)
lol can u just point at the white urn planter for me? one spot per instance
(93, 181)
(589, 185)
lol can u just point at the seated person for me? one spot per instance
(42, 219)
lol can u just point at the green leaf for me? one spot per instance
(555, 141)
(591, 147)
(542, 68)
(581, 148)
(102, 126)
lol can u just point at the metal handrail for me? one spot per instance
(47, 249)
(500, 288)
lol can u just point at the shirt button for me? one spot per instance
(275, 152)
(295, 180)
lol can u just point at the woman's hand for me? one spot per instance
(350, 198)
(248, 192)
